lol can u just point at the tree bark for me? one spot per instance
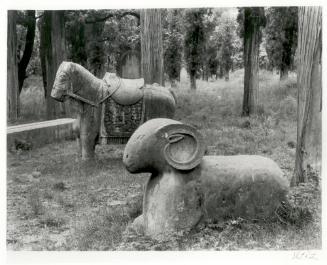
(52, 53)
(193, 81)
(251, 60)
(286, 62)
(151, 46)
(226, 74)
(29, 43)
(95, 48)
(283, 74)
(221, 72)
(12, 68)
(309, 82)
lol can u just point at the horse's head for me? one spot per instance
(73, 80)
(62, 82)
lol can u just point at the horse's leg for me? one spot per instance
(77, 133)
(88, 132)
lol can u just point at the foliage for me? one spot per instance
(227, 43)
(253, 16)
(34, 66)
(281, 34)
(21, 35)
(194, 39)
(121, 35)
(173, 43)
(98, 38)
(75, 37)
(27, 45)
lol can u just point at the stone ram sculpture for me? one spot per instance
(110, 109)
(186, 187)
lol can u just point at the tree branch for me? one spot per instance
(39, 16)
(29, 43)
(132, 13)
(119, 16)
(91, 21)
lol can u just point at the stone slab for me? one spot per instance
(38, 134)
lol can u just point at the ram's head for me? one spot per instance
(161, 144)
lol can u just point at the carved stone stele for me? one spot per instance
(186, 187)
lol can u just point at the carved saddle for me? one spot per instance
(130, 104)
(124, 91)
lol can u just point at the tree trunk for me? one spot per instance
(151, 46)
(52, 53)
(95, 48)
(29, 43)
(12, 68)
(251, 60)
(309, 82)
(206, 74)
(193, 80)
(173, 83)
(221, 72)
(283, 74)
(226, 74)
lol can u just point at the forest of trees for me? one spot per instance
(209, 43)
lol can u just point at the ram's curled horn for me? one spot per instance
(184, 148)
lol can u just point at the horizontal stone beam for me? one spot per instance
(37, 134)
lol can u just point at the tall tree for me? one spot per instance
(151, 46)
(252, 19)
(75, 37)
(12, 68)
(52, 53)
(309, 82)
(281, 37)
(209, 22)
(225, 39)
(194, 41)
(173, 46)
(29, 22)
(94, 44)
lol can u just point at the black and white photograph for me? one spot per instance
(164, 129)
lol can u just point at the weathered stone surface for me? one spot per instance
(186, 187)
(244, 186)
(32, 135)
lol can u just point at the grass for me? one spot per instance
(57, 203)
(32, 100)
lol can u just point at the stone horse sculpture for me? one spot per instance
(110, 109)
(186, 187)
